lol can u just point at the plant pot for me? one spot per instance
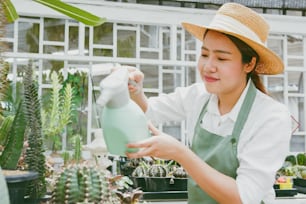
(17, 182)
(299, 182)
(155, 184)
(140, 182)
(159, 184)
(178, 184)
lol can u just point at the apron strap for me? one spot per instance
(244, 111)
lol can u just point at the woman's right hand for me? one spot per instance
(135, 86)
(135, 80)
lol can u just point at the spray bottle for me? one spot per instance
(122, 119)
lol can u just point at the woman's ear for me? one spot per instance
(250, 66)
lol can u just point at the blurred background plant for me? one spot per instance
(57, 112)
(67, 9)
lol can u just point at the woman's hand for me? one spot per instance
(160, 145)
(136, 78)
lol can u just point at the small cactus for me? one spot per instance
(179, 172)
(84, 184)
(157, 170)
(131, 197)
(140, 171)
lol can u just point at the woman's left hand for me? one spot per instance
(160, 145)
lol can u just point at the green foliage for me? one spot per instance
(62, 7)
(291, 159)
(301, 159)
(4, 129)
(57, 114)
(15, 138)
(4, 83)
(73, 12)
(35, 158)
(9, 10)
(77, 148)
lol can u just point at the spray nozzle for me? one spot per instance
(114, 89)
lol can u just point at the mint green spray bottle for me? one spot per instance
(122, 119)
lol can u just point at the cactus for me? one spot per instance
(34, 156)
(4, 82)
(131, 197)
(83, 184)
(157, 170)
(57, 114)
(140, 171)
(4, 128)
(15, 137)
(179, 172)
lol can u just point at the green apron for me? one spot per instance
(217, 151)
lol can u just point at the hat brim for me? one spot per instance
(269, 63)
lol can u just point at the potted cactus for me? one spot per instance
(24, 142)
(159, 176)
(83, 182)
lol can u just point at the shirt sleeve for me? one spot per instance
(264, 152)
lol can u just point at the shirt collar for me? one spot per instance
(212, 106)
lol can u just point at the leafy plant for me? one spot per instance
(14, 141)
(294, 165)
(57, 114)
(26, 126)
(67, 9)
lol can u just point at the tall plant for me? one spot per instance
(34, 157)
(57, 114)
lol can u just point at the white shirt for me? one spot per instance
(264, 140)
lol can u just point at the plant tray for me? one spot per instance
(286, 192)
(165, 195)
(299, 182)
(157, 184)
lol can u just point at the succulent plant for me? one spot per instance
(179, 172)
(157, 170)
(130, 197)
(14, 141)
(84, 184)
(34, 156)
(140, 171)
(56, 115)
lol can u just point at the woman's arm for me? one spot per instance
(219, 186)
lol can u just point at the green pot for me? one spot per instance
(17, 184)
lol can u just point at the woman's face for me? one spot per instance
(220, 65)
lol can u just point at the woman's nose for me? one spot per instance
(209, 65)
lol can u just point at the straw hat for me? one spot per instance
(244, 23)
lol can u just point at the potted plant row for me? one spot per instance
(294, 167)
(156, 175)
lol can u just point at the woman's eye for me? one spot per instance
(221, 59)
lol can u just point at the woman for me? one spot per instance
(239, 135)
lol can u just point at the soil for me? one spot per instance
(13, 172)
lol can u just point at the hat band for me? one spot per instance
(228, 24)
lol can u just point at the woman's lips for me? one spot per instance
(210, 79)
